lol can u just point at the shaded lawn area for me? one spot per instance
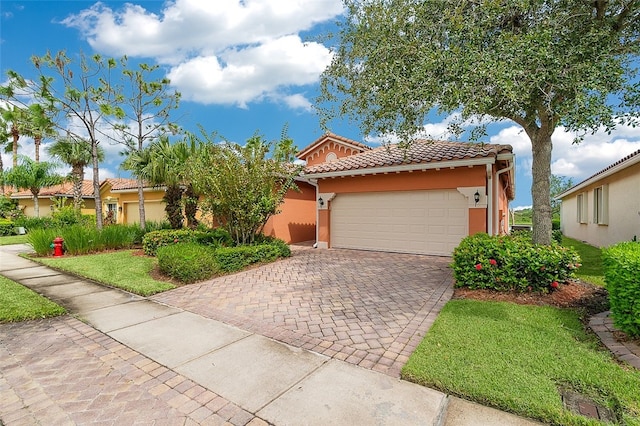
(591, 269)
(13, 239)
(517, 357)
(18, 303)
(119, 269)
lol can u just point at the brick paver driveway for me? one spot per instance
(367, 308)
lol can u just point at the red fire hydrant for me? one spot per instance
(57, 246)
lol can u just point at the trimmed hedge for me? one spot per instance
(513, 262)
(621, 264)
(190, 262)
(6, 227)
(187, 262)
(165, 237)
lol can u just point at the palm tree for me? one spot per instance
(162, 163)
(38, 126)
(76, 154)
(5, 146)
(33, 176)
(15, 117)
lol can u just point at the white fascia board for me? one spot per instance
(132, 190)
(404, 168)
(635, 159)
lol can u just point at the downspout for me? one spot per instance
(501, 171)
(489, 199)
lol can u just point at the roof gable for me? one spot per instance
(330, 142)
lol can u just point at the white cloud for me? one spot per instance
(568, 159)
(230, 52)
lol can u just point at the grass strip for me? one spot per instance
(18, 303)
(13, 239)
(119, 269)
(516, 358)
(591, 269)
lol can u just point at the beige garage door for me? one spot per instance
(424, 222)
(153, 211)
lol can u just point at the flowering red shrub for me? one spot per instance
(511, 263)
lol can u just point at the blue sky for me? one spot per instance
(242, 67)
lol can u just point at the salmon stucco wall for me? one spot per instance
(405, 181)
(296, 221)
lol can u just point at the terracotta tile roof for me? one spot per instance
(121, 183)
(419, 152)
(63, 190)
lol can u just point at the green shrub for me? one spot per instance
(30, 223)
(114, 237)
(153, 240)
(555, 224)
(9, 208)
(511, 263)
(621, 264)
(67, 216)
(187, 262)
(233, 259)
(80, 239)
(217, 237)
(556, 235)
(41, 240)
(7, 227)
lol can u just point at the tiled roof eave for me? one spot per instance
(403, 167)
(626, 162)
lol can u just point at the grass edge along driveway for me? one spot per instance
(18, 303)
(119, 269)
(516, 358)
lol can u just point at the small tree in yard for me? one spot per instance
(33, 176)
(539, 63)
(243, 186)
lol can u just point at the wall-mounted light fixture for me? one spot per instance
(320, 202)
(120, 209)
(476, 197)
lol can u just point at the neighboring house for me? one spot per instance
(46, 195)
(120, 196)
(423, 199)
(605, 208)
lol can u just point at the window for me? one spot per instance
(601, 205)
(582, 208)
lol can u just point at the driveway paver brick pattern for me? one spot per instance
(367, 308)
(61, 371)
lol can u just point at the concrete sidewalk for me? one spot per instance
(262, 380)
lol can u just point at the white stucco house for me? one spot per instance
(605, 208)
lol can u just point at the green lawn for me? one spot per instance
(119, 269)
(13, 239)
(18, 303)
(516, 358)
(591, 269)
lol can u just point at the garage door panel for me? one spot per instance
(426, 222)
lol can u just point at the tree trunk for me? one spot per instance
(191, 207)
(1, 176)
(16, 136)
(541, 147)
(173, 208)
(36, 205)
(96, 184)
(78, 180)
(143, 221)
(37, 141)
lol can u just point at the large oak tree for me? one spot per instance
(539, 63)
